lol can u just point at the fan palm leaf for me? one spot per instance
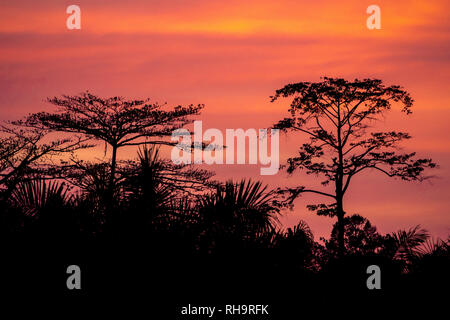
(35, 195)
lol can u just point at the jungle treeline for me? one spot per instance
(145, 223)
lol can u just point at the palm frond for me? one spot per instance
(32, 196)
(408, 242)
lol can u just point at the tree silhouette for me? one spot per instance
(145, 213)
(336, 114)
(295, 247)
(24, 150)
(143, 183)
(116, 121)
(155, 190)
(238, 213)
(360, 237)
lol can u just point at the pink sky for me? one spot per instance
(232, 56)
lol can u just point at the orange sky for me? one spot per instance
(232, 55)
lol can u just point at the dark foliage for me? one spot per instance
(176, 221)
(336, 115)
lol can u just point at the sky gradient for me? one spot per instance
(232, 56)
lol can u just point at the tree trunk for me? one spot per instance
(339, 187)
(340, 211)
(340, 216)
(111, 185)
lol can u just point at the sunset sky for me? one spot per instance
(231, 56)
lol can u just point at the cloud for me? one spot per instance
(232, 55)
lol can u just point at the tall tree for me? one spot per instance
(336, 115)
(116, 121)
